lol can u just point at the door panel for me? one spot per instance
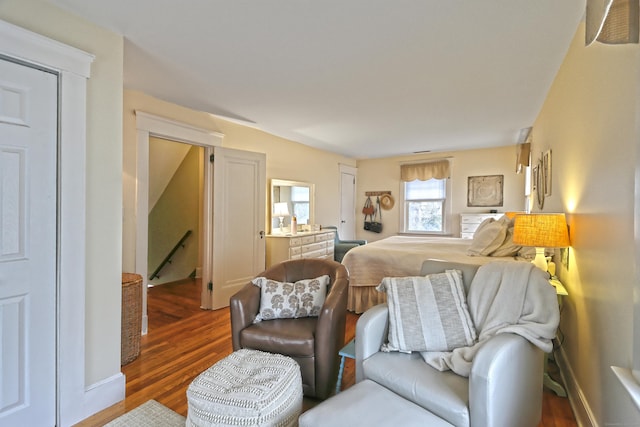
(346, 229)
(28, 132)
(238, 221)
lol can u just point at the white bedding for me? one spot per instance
(399, 256)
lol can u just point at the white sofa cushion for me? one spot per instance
(444, 394)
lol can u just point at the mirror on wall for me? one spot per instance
(291, 198)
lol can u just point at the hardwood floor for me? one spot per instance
(184, 340)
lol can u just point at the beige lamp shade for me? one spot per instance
(541, 230)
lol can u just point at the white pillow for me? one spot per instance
(488, 237)
(284, 300)
(427, 313)
(507, 248)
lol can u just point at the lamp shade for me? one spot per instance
(541, 230)
(281, 209)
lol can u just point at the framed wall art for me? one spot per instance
(546, 172)
(485, 191)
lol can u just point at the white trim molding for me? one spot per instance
(73, 68)
(629, 380)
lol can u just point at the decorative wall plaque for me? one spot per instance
(485, 191)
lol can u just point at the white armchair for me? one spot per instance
(504, 388)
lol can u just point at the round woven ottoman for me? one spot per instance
(247, 388)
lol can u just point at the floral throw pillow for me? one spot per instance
(284, 300)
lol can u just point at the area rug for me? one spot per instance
(150, 413)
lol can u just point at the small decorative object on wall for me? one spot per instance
(485, 191)
(538, 183)
(546, 167)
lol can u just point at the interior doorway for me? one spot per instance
(150, 126)
(175, 211)
(176, 174)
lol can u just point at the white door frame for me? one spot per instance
(73, 67)
(150, 125)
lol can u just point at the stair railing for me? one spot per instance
(167, 259)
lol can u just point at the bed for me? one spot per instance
(403, 256)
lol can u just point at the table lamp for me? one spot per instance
(281, 209)
(542, 231)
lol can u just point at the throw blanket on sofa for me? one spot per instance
(505, 297)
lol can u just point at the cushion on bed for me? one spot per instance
(427, 313)
(489, 236)
(284, 300)
(507, 248)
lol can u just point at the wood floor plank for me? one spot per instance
(184, 340)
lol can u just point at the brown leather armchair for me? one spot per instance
(313, 342)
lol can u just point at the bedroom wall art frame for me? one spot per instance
(546, 172)
(538, 183)
(485, 191)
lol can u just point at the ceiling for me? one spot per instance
(362, 78)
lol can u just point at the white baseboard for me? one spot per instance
(104, 393)
(198, 272)
(581, 410)
(145, 324)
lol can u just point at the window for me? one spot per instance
(300, 201)
(424, 206)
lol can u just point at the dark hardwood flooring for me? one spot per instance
(184, 340)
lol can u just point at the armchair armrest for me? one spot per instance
(371, 332)
(354, 242)
(330, 332)
(244, 305)
(505, 385)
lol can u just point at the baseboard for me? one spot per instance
(581, 410)
(104, 393)
(145, 324)
(198, 272)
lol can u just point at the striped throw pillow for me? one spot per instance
(427, 313)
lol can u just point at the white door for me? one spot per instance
(28, 152)
(347, 228)
(239, 194)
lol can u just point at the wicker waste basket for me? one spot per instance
(131, 317)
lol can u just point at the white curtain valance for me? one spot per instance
(425, 171)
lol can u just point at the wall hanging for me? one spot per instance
(484, 191)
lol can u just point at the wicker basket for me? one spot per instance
(131, 317)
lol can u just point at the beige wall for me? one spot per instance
(384, 174)
(285, 160)
(589, 122)
(104, 171)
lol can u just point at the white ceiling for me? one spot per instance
(363, 78)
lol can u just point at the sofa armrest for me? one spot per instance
(505, 385)
(244, 306)
(371, 332)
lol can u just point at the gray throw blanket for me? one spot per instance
(513, 297)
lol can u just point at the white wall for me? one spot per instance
(589, 121)
(104, 171)
(384, 174)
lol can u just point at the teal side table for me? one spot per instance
(349, 351)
